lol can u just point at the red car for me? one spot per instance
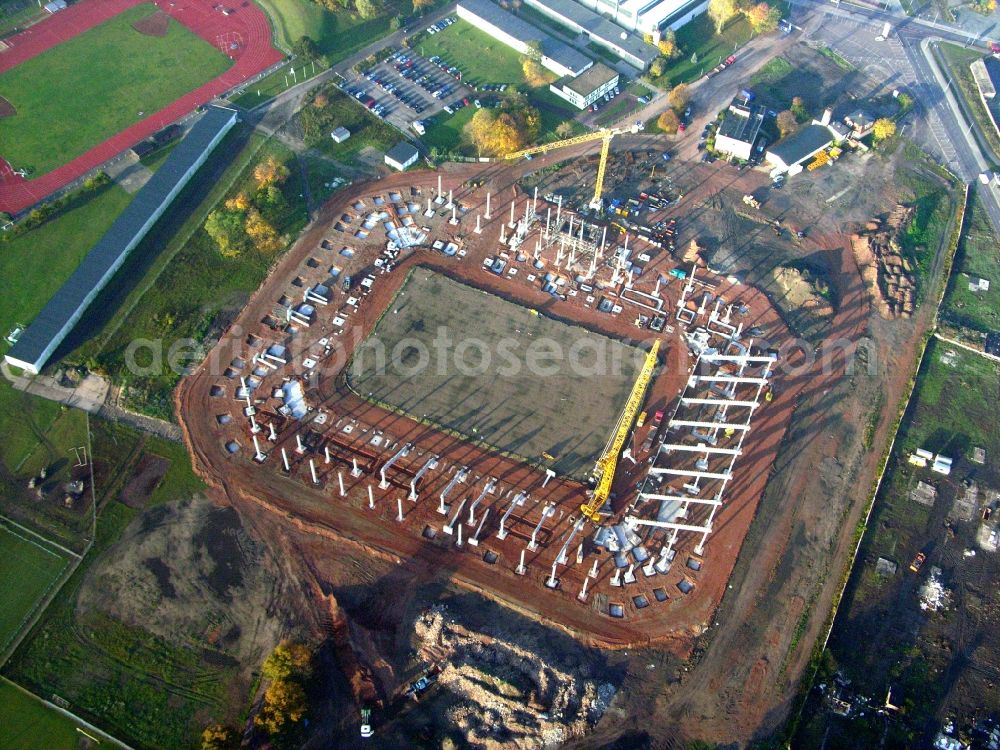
(730, 60)
(995, 47)
(681, 128)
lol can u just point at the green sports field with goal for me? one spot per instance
(78, 94)
(29, 567)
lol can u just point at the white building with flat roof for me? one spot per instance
(588, 87)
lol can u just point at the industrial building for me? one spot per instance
(580, 19)
(61, 313)
(402, 156)
(648, 16)
(789, 154)
(740, 128)
(518, 34)
(588, 87)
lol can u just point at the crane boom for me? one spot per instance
(605, 135)
(608, 462)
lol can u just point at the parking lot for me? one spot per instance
(407, 87)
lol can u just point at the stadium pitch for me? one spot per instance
(77, 94)
(492, 371)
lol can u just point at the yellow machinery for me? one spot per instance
(605, 135)
(608, 462)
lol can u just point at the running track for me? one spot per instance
(254, 55)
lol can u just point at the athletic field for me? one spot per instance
(28, 568)
(77, 94)
(457, 357)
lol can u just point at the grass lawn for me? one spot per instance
(445, 131)
(934, 204)
(522, 406)
(978, 256)
(28, 568)
(480, 57)
(957, 60)
(366, 129)
(118, 675)
(27, 724)
(283, 78)
(79, 93)
(35, 264)
(179, 287)
(698, 37)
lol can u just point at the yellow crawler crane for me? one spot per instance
(608, 462)
(605, 134)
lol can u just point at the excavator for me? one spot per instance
(606, 465)
(605, 135)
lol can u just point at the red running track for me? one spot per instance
(245, 24)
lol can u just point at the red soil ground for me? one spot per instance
(322, 511)
(202, 17)
(155, 24)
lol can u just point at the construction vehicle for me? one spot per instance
(918, 562)
(605, 135)
(606, 465)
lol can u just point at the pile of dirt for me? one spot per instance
(145, 479)
(803, 290)
(508, 696)
(6, 108)
(189, 572)
(155, 24)
(887, 274)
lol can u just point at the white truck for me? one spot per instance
(886, 28)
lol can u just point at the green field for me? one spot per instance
(79, 93)
(519, 408)
(28, 569)
(480, 57)
(367, 131)
(979, 257)
(698, 38)
(28, 724)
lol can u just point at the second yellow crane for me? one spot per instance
(608, 462)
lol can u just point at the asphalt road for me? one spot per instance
(906, 55)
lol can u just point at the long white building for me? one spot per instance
(516, 33)
(648, 16)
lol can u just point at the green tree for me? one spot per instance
(288, 659)
(668, 122)
(657, 67)
(884, 128)
(225, 227)
(679, 96)
(306, 48)
(721, 11)
(367, 8)
(218, 737)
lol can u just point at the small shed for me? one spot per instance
(401, 156)
(340, 135)
(55, 6)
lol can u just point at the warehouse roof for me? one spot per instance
(402, 152)
(525, 32)
(601, 28)
(62, 311)
(743, 121)
(800, 145)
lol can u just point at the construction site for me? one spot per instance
(587, 489)
(475, 377)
